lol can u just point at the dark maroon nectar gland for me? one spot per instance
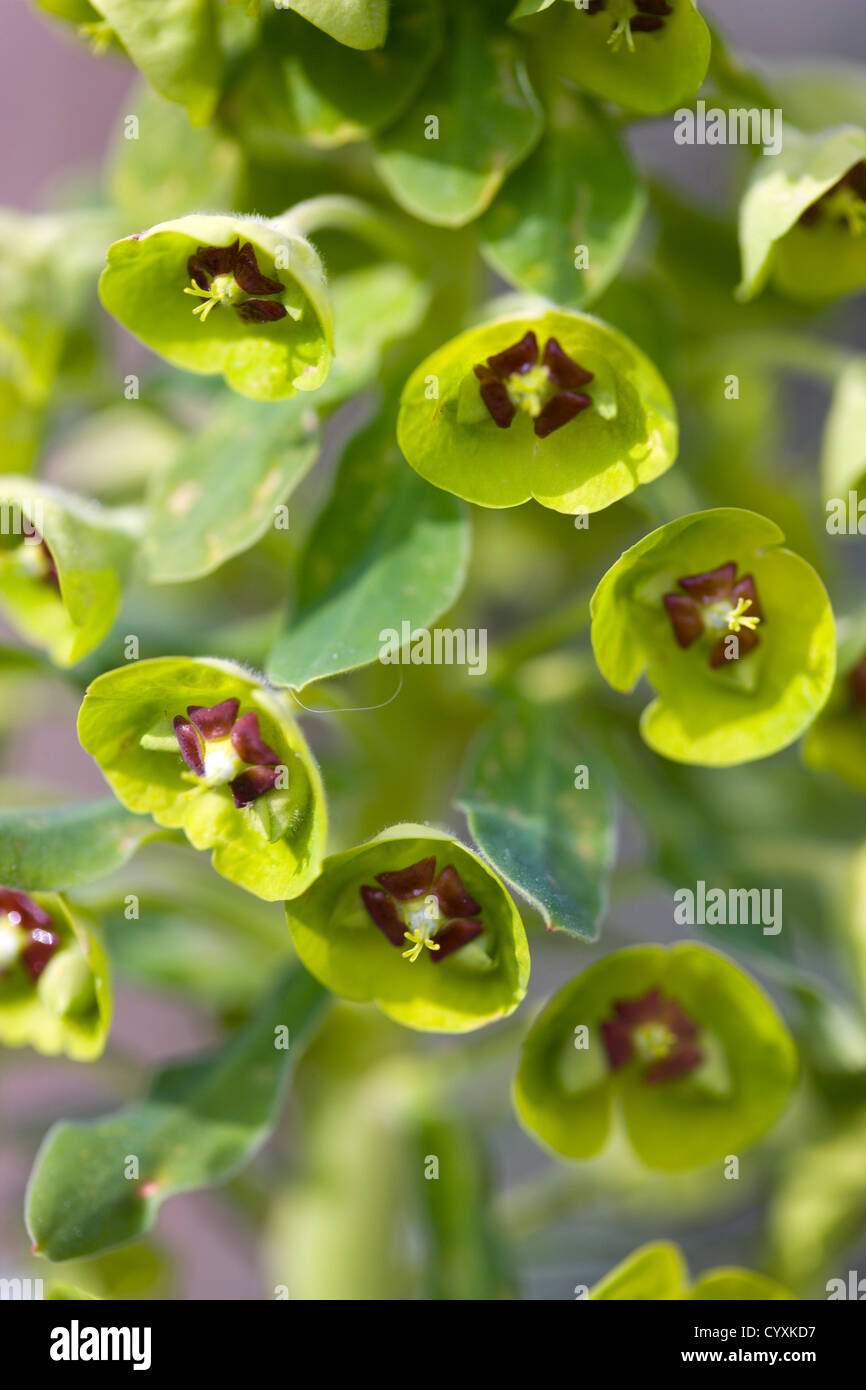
(26, 935)
(655, 1032)
(230, 276)
(629, 17)
(221, 749)
(716, 605)
(547, 389)
(417, 907)
(844, 204)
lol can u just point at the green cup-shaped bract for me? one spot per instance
(144, 287)
(752, 707)
(67, 1009)
(140, 701)
(627, 436)
(643, 71)
(657, 1272)
(340, 944)
(62, 574)
(567, 1095)
(797, 228)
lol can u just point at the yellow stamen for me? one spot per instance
(419, 941)
(736, 620)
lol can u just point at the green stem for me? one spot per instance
(338, 212)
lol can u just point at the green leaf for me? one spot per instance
(91, 548)
(386, 550)
(199, 1124)
(174, 43)
(218, 495)
(358, 23)
(489, 118)
(843, 452)
(577, 190)
(171, 165)
(48, 848)
(297, 84)
(550, 841)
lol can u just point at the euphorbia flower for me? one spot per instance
(425, 909)
(715, 603)
(679, 1040)
(803, 220)
(492, 415)
(547, 390)
(219, 747)
(205, 747)
(61, 577)
(54, 981)
(383, 914)
(230, 276)
(654, 1031)
(647, 55)
(279, 338)
(741, 665)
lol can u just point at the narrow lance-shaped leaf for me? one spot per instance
(548, 835)
(565, 220)
(218, 496)
(48, 848)
(201, 1122)
(386, 550)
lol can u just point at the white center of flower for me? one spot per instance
(421, 916)
(221, 762)
(11, 940)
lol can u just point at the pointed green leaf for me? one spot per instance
(548, 839)
(217, 497)
(577, 191)
(174, 43)
(386, 550)
(489, 118)
(356, 23)
(201, 1122)
(48, 848)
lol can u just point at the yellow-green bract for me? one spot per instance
(145, 286)
(126, 723)
(567, 1093)
(627, 436)
(744, 709)
(798, 226)
(643, 71)
(342, 946)
(658, 1272)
